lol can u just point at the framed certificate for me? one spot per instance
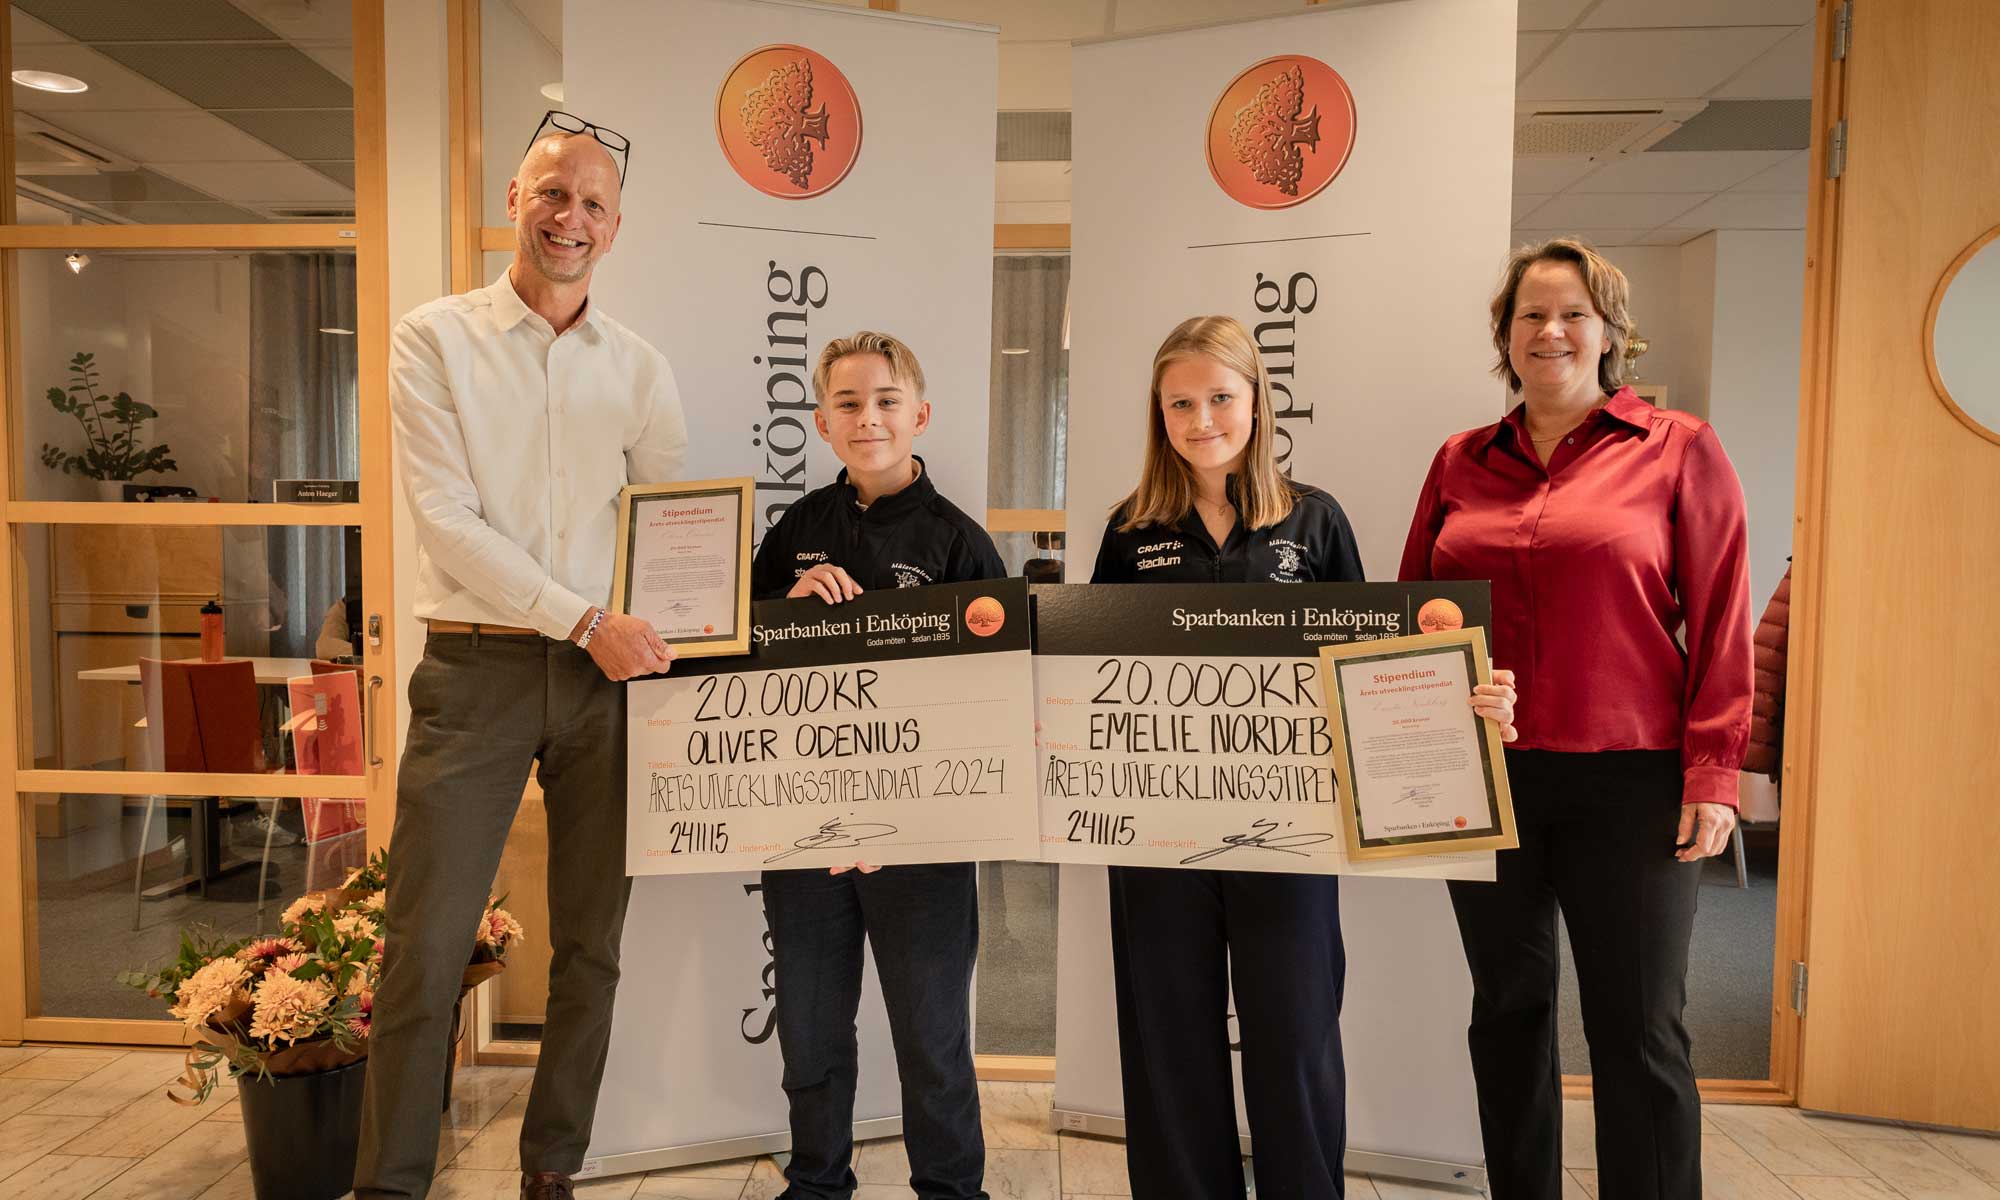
(1419, 772)
(684, 562)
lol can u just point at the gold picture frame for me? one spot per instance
(716, 560)
(1499, 799)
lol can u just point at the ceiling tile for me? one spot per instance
(1527, 202)
(1785, 72)
(1674, 236)
(180, 21)
(1548, 174)
(1690, 171)
(1749, 210)
(1641, 210)
(1528, 48)
(30, 32)
(1550, 14)
(1024, 20)
(1596, 237)
(111, 85)
(262, 184)
(187, 135)
(1652, 14)
(237, 76)
(1132, 15)
(1662, 64)
(122, 186)
(1792, 175)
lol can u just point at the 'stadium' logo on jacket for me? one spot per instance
(1281, 131)
(788, 122)
(1158, 554)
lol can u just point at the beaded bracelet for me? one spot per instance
(583, 639)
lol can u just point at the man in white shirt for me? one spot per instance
(520, 412)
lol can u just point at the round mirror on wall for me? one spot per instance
(1965, 336)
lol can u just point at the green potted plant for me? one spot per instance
(289, 1016)
(113, 452)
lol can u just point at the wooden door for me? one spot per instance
(1896, 681)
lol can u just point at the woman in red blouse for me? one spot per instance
(1613, 534)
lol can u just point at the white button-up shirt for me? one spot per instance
(513, 443)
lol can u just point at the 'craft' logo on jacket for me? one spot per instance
(1156, 555)
(788, 122)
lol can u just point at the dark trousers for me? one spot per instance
(1178, 938)
(923, 922)
(483, 708)
(1597, 840)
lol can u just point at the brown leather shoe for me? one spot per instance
(547, 1185)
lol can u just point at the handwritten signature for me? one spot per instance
(1259, 838)
(833, 835)
(1420, 791)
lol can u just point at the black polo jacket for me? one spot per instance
(909, 539)
(1314, 544)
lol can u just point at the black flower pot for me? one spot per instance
(303, 1131)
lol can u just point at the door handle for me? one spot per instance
(368, 726)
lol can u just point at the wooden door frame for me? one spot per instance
(367, 238)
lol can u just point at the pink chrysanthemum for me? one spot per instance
(289, 963)
(269, 948)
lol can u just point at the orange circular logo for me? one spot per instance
(1281, 131)
(788, 121)
(1458, 822)
(984, 616)
(708, 629)
(1439, 615)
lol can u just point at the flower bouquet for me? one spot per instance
(290, 1016)
(302, 1001)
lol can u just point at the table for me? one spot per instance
(205, 844)
(271, 672)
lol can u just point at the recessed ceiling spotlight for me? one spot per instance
(77, 262)
(553, 91)
(49, 81)
(336, 330)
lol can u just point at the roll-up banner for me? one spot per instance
(797, 172)
(1338, 180)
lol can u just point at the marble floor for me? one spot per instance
(93, 1123)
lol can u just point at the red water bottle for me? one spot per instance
(211, 632)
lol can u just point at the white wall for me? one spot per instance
(1724, 314)
(1754, 384)
(1695, 330)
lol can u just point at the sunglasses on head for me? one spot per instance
(610, 139)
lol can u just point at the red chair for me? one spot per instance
(200, 717)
